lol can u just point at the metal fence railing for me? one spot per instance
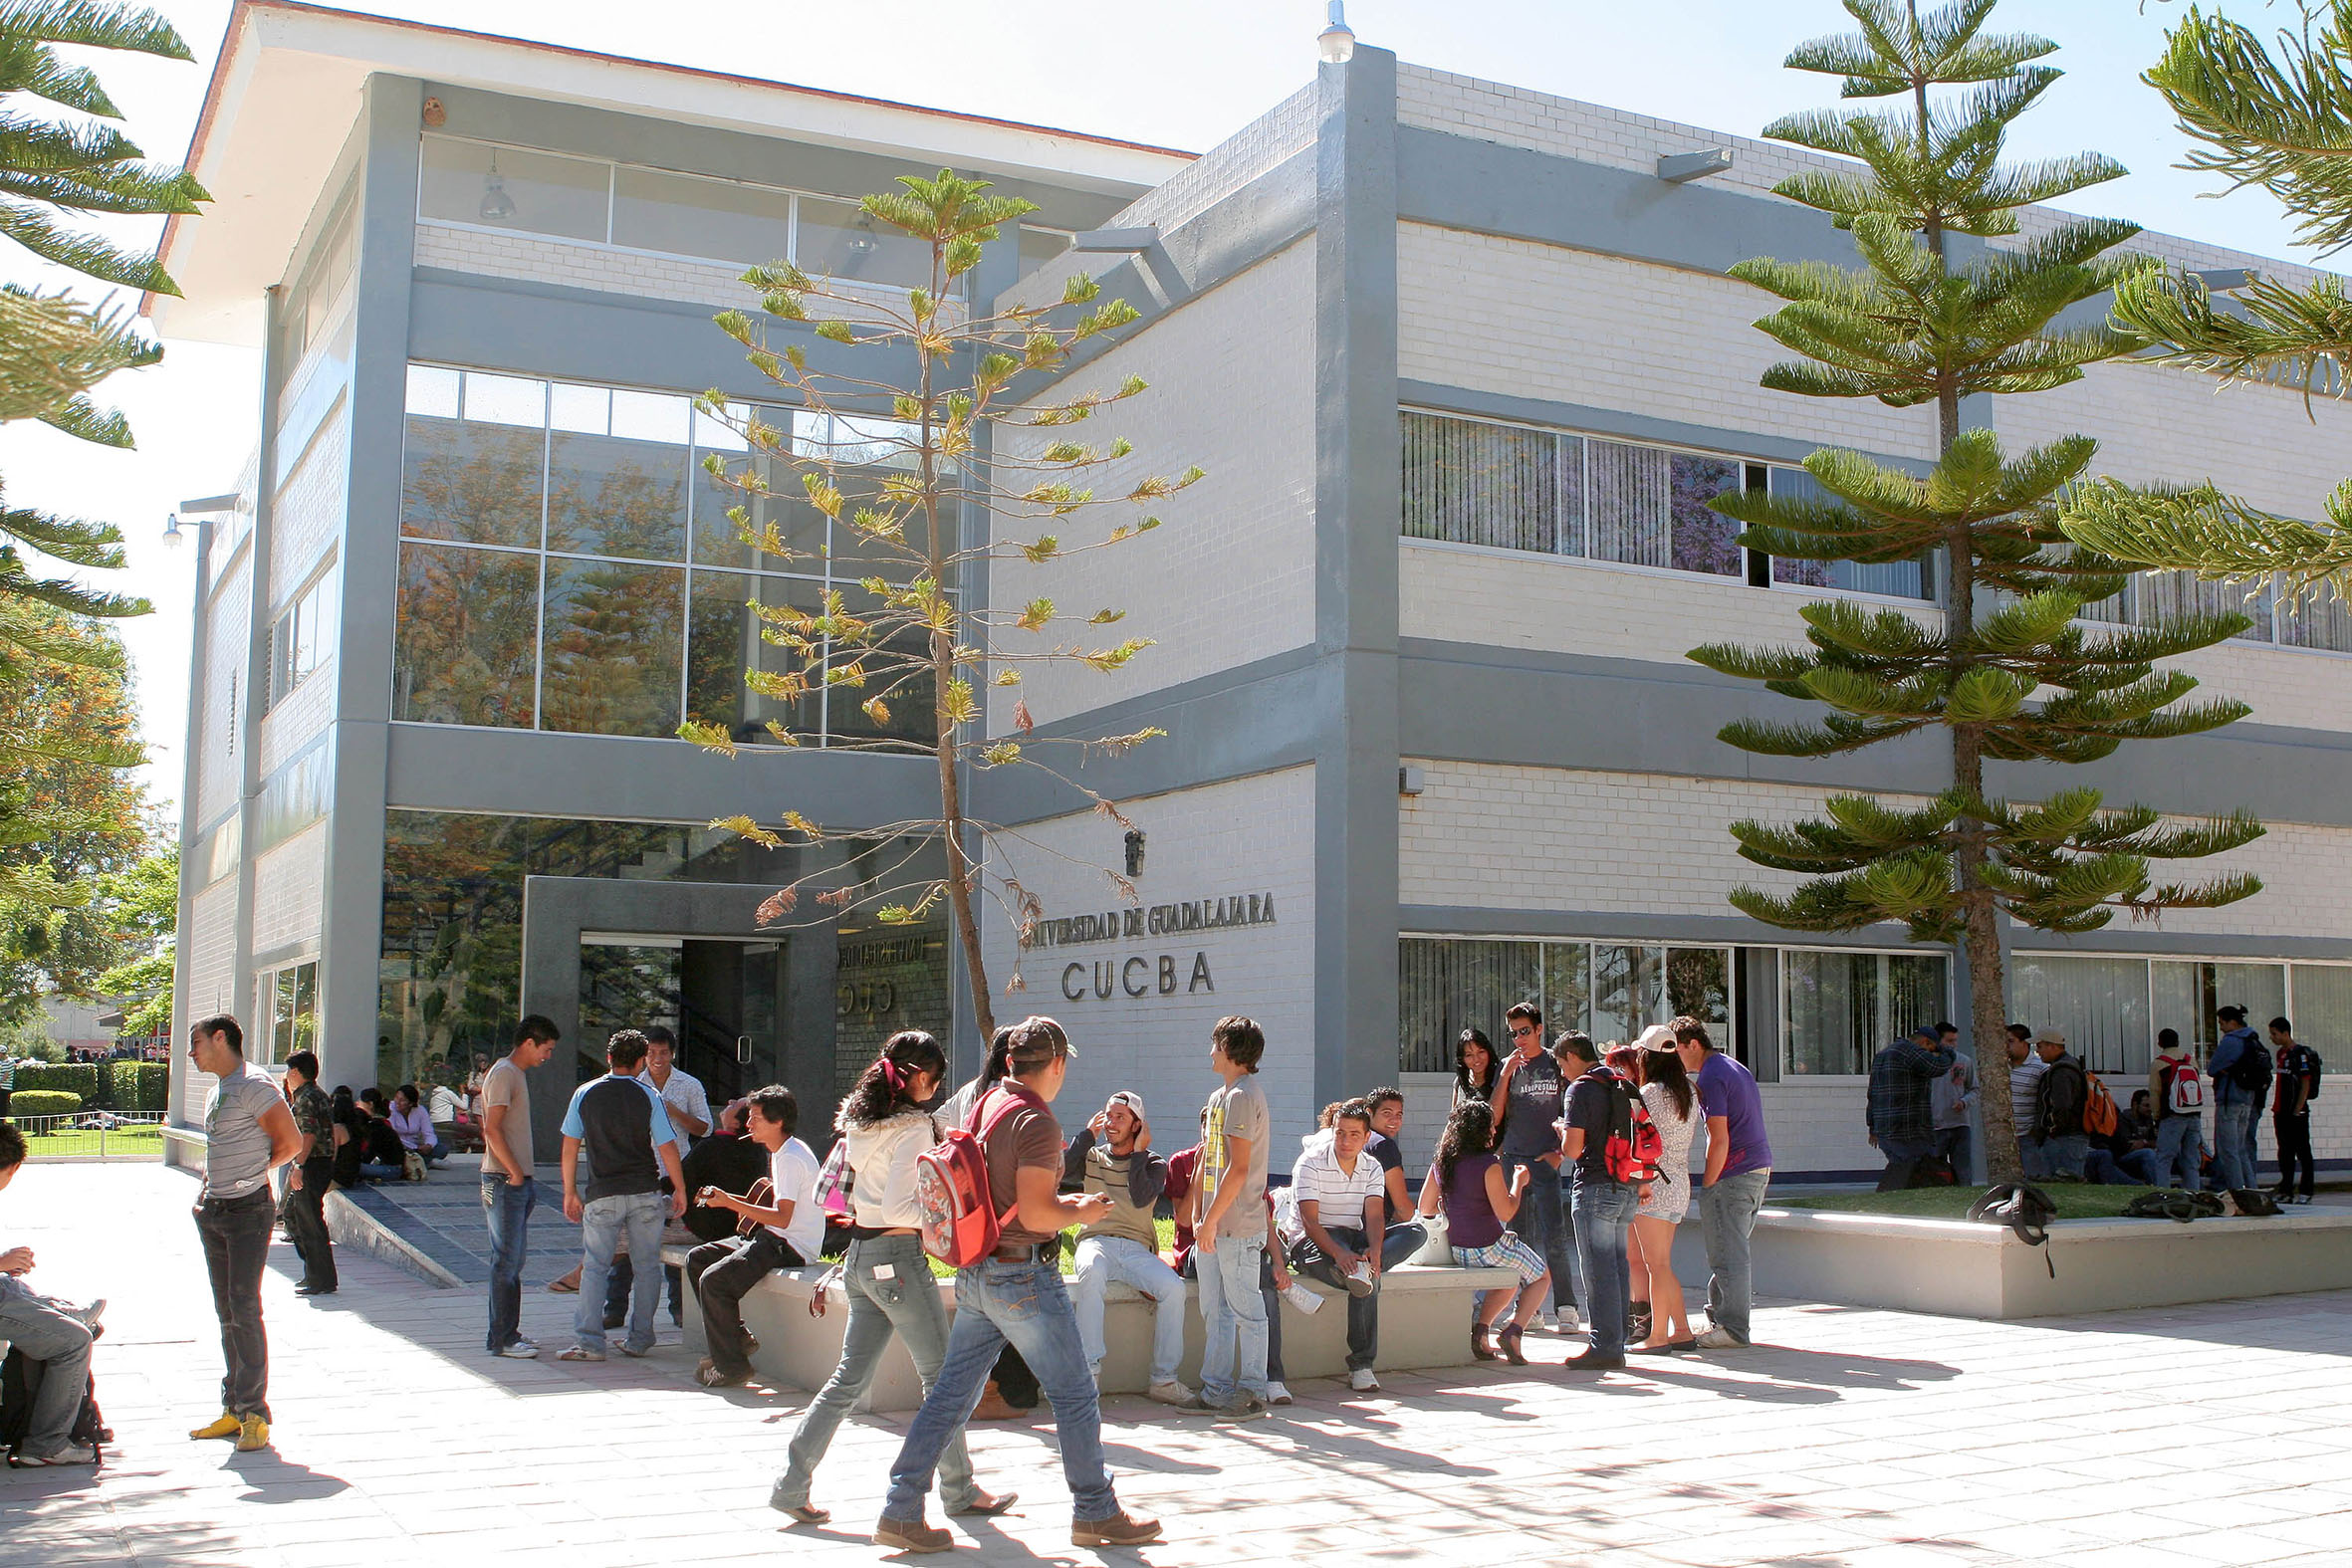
(94, 1135)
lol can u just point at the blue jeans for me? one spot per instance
(2134, 1169)
(1602, 1210)
(1726, 1216)
(2060, 1156)
(2234, 1143)
(41, 1329)
(2179, 1149)
(1544, 1223)
(1899, 1151)
(602, 1222)
(1105, 1261)
(1397, 1243)
(889, 1281)
(1022, 1305)
(1952, 1143)
(1232, 1316)
(506, 1208)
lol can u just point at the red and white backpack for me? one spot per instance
(961, 1222)
(1635, 1145)
(2184, 1089)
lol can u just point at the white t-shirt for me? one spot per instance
(1340, 1196)
(793, 1171)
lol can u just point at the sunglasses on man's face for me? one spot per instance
(1522, 1031)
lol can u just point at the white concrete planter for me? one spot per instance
(1964, 1269)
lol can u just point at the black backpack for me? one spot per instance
(2252, 1070)
(20, 1381)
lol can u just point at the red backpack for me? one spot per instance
(1635, 1145)
(961, 1223)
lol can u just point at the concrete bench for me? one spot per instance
(1424, 1323)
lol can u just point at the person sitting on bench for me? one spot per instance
(785, 1231)
(48, 1331)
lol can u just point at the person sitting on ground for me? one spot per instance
(790, 1233)
(1475, 1066)
(1466, 1185)
(350, 1142)
(383, 1157)
(2061, 1141)
(1898, 1112)
(1667, 1094)
(452, 1130)
(47, 1331)
(1341, 1215)
(415, 1126)
(1113, 1156)
(2126, 1156)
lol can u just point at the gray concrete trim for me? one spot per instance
(1465, 702)
(350, 942)
(523, 327)
(663, 143)
(191, 833)
(252, 697)
(1451, 920)
(1358, 496)
(1591, 420)
(1485, 188)
(604, 777)
(2124, 940)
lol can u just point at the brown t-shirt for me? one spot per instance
(1029, 1138)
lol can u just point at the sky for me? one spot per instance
(1184, 74)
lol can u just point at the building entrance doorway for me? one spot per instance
(724, 998)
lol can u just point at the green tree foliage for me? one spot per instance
(2010, 673)
(141, 906)
(896, 486)
(2279, 117)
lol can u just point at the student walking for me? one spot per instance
(1530, 1091)
(1661, 1318)
(619, 1122)
(1229, 1239)
(509, 1192)
(309, 1173)
(248, 1133)
(887, 1274)
(1739, 1169)
(1466, 1185)
(1017, 1294)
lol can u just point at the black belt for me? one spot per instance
(1025, 1253)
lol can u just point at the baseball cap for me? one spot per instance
(1036, 1041)
(2049, 1038)
(1130, 1099)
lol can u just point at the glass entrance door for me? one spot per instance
(724, 999)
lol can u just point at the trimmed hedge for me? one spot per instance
(102, 1085)
(42, 1102)
(78, 1078)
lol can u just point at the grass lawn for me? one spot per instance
(1952, 1203)
(141, 1142)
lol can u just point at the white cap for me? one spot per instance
(1657, 1036)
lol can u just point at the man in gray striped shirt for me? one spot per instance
(248, 1134)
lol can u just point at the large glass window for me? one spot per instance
(1609, 990)
(1840, 1007)
(1478, 483)
(837, 240)
(557, 534)
(1903, 579)
(2099, 1003)
(2322, 1008)
(2111, 1008)
(690, 216)
(303, 635)
(510, 189)
(290, 1000)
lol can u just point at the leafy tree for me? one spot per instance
(2282, 119)
(2011, 674)
(142, 904)
(893, 472)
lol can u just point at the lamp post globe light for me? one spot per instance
(1335, 44)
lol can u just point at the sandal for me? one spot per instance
(1481, 1342)
(564, 1287)
(1508, 1341)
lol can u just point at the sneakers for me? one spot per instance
(1362, 1381)
(1359, 1280)
(912, 1535)
(1303, 1298)
(1594, 1361)
(71, 1454)
(636, 1352)
(1565, 1321)
(1120, 1530)
(578, 1353)
(87, 1316)
(521, 1350)
(1275, 1394)
(1169, 1393)
(1550, 1322)
(252, 1433)
(225, 1425)
(1246, 1407)
(1720, 1339)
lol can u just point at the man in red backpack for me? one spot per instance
(1016, 1295)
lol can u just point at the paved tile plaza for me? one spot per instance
(2205, 1436)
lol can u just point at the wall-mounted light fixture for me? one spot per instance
(1335, 44)
(1680, 168)
(1135, 852)
(1410, 779)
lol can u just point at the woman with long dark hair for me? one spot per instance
(1474, 1067)
(1673, 1104)
(886, 1275)
(1466, 1184)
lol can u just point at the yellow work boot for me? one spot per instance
(227, 1426)
(253, 1433)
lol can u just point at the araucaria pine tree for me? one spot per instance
(923, 479)
(1932, 318)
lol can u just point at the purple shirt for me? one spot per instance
(1471, 1221)
(1729, 1090)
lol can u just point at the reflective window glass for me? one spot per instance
(1703, 536)
(724, 640)
(905, 689)
(476, 478)
(2099, 1003)
(510, 189)
(678, 213)
(837, 240)
(619, 490)
(1628, 991)
(466, 646)
(616, 641)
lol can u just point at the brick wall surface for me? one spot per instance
(1260, 145)
(212, 950)
(287, 885)
(218, 768)
(299, 717)
(1249, 837)
(1230, 575)
(311, 510)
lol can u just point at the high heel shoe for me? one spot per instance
(1508, 1342)
(1482, 1343)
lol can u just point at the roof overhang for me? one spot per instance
(287, 89)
